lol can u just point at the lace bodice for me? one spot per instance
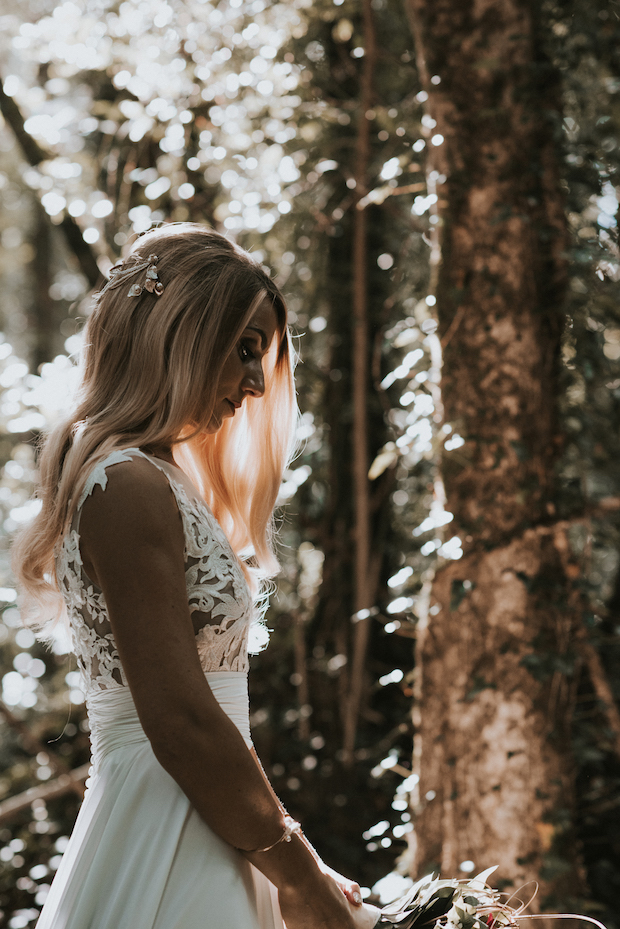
(217, 592)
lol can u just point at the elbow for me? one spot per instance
(170, 735)
(169, 752)
(177, 736)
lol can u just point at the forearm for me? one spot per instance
(290, 865)
(277, 800)
(226, 784)
(207, 756)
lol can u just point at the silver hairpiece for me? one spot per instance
(120, 273)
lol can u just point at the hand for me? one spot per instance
(365, 916)
(322, 906)
(351, 889)
(311, 895)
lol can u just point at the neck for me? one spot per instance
(159, 451)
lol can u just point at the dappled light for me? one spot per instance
(249, 116)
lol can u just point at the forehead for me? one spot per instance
(264, 319)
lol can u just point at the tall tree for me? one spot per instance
(495, 650)
(165, 140)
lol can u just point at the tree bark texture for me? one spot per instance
(493, 735)
(494, 654)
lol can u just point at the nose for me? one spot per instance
(254, 384)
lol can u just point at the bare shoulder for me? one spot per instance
(133, 548)
(137, 502)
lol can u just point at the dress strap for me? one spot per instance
(98, 476)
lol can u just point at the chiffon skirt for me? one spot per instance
(139, 856)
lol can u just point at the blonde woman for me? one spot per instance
(154, 534)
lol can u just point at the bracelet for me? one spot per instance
(291, 828)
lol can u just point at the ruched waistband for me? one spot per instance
(114, 719)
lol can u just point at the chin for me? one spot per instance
(217, 421)
(215, 425)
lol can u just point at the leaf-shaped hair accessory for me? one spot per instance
(124, 270)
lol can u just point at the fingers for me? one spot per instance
(353, 893)
(351, 889)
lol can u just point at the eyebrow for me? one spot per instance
(263, 337)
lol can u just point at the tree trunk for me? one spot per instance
(494, 655)
(360, 380)
(43, 315)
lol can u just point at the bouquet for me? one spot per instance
(455, 904)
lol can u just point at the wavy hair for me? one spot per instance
(150, 368)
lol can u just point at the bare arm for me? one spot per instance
(351, 889)
(132, 544)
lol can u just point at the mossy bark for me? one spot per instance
(493, 734)
(494, 659)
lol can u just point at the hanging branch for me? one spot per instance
(72, 781)
(360, 381)
(31, 149)
(35, 155)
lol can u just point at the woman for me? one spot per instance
(154, 531)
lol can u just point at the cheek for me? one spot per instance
(230, 375)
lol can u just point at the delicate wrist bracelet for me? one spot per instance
(291, 828)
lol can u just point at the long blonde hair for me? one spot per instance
(151, 365)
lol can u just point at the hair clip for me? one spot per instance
(120, 273)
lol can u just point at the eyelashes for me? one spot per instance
(247, 351)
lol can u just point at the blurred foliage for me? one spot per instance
(245, 115)
(584, 44)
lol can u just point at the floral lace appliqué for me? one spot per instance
(217, 592)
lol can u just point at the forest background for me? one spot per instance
(435, 187)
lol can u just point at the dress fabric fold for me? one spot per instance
(140, 857)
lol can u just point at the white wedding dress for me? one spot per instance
(139, 856)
